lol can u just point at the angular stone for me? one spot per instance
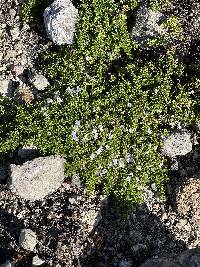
(60, 21)
(37, 178)
(37, 261)
(39, 82)
(6, 88)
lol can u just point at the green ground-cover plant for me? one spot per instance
(108, 107)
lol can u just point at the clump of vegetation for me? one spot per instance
(109, 105)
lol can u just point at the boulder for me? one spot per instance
(37, 178)
(60, 20)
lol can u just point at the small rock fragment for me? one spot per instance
(24, 94)
(37, 178)
(60, 21)
(39, 82)
(177, 144)
(37, 261)
(6, 88)
(28, 239)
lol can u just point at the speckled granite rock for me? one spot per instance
(177, 144)
(37, 178)
(60, 21)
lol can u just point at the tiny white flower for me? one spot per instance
(74, 135)
(99, 150)
(78, 89)
(129, 158)
(129, 105)
(128, 178)
(115, 161)
(121, 163)
(101, 127)
(92, 156)
(69, 90)
(110, 164)
(87, 58)
(149, 130)
(49, 101)
(59, 99)
(76, 125)
(107, 146)
(110, 136)
(102, 172)
(95, 132)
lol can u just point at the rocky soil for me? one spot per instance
(65, 227)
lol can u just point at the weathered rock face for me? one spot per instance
(148, 24)
(60, 21)
(187, 258)
(37, 178)
(177, 144)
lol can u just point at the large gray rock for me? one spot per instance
(37, 178)
(148, 24)
(177, 144)
(188, 258)
(60, 21)
(28, 239)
